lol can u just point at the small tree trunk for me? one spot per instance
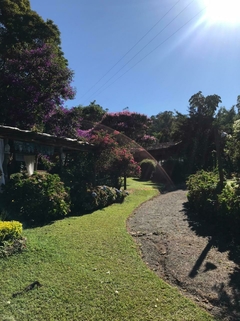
(125, 181)
(219, 158)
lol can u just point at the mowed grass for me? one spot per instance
(90, 269)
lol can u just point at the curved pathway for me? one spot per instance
(171, 247)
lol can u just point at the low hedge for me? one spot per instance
(148, 167)
(98, 197)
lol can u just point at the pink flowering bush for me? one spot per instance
(147, 141)
(105, 166)
(133, 125)
(112, 159)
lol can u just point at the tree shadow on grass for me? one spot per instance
(228, 293)
(162, 187)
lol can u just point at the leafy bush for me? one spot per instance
(40, 197)
(229, 206)
(203, 189)
(148, 167)
(10, 230)
(207, 199)
(100, 197)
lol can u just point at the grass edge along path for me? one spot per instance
(90, 269)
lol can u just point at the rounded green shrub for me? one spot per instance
(41, 197)
(203, 189)
(148, 167)
(229, 206)
(10, 230)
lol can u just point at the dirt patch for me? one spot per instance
(188, 254)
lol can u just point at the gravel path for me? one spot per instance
(170, 246)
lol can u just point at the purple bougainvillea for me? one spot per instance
(33, 84)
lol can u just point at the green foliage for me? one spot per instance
(82, 262)
(148, 167)
(10, 230)
(176, 169)
(40, 197)
(229, 206)
(90, 114)
(225, 119)
(34, 78)
(196, 131)
(209, 201)
(232, 147)
(203, 189)
(133, 125)
(203, 106)
(22, 27)
(162, 126)
(78, 174)
(100, 197)
(82, 172)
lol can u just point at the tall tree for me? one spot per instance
(133, 125)
(91, 114)
(21, 27)
(197, 131)
(32, 86)
(34, 78)
(225, 119)
(203, 106)
(238, 104)
(162, 126)
(64, 122)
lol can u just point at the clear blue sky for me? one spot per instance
(203, 54)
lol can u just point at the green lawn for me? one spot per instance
(90, 269)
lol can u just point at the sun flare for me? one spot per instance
(226, 11)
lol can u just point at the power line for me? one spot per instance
(132, 48)
(153, 49)
(144, 47)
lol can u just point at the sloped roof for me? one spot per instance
(66, 143)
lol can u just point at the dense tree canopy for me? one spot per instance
(64, 123)
(202, 106)
(225, 119)
(91, 114)
(34, 78)
(162, 126)
(35, 81)
(21, 27)
(133, 125)
(196, 131)
(32, 86)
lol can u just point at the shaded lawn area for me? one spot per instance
(90, 269)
